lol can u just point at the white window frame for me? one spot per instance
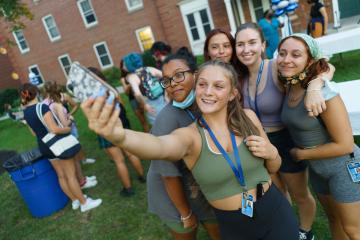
(98, 57)
(134, 8)
(138, 37)
(61, 65)
(40, 74)
(52, 39)
(87, 25)
(265, 5)
(18, 42)
(191, 7)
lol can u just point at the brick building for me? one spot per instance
(99, 32)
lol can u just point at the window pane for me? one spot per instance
(67, 69)
(204, 16)
(191, 20)
(35, 70)
(85, 5)
(65, 61)
(195, 34)
(54, 32)
(101, 50)
(90, 18)
(146, 38)
(105, 60)
(207, 28)
(50, 22)
(257, 3)
(23, 45)
(133, 3)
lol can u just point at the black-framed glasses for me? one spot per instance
(178, 78)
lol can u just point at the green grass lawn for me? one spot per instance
(118, 217)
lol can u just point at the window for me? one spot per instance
(51, 28)
(198, 22)
(21, 41)
(103, 55)
(35, 69)
(133, 5)
(257, 8)
(145, 38)
(65, 63)
(87, 13)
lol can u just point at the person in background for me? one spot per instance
(54, 99)
(246, 203)
(160, 50)
(117, 154)
(65, 168)
(139, 112)
(144, 82)
(173, 194)
(318, 24)
(270, 27)
(326, 141)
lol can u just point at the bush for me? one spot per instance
(148, 59)
(10, 96)
(113, 76)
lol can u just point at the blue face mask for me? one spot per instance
(187, 102)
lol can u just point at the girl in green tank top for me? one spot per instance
(226, 121)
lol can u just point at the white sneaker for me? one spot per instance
(89, 184)
(90, 204)
(76, 203)
(90, 178)
(88, 161)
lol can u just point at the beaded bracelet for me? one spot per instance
(183, 219)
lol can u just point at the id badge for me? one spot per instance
(354, 170)
(247, 205)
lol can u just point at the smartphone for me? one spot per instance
(82, 83)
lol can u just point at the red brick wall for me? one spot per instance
(5, 74)
(172, 22)
(116, 26)
(219, 14)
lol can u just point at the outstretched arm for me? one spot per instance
(104, 120)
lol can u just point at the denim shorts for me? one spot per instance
(283, 142)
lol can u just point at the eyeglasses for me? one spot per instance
(178, 78)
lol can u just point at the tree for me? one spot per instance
(13, 12)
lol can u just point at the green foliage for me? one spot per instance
(10, 96)
(148, 59)
(13, 12)
(199, 60)
(113, 76)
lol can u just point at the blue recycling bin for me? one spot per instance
(38, 185)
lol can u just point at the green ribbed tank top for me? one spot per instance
(216, 178)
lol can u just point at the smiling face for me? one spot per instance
(249, 46)
(292, 58)
(220, 48)
(213, 90)
(178, 91)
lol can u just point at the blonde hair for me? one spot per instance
(238, 122)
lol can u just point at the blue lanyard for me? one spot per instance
(238, 172)
(190, 114)
(256, 89)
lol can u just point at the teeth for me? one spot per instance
(208, 101)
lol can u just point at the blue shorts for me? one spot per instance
(283, 142)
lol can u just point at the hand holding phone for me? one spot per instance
(82, 83)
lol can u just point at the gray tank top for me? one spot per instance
(305, 131)
(269, 101)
